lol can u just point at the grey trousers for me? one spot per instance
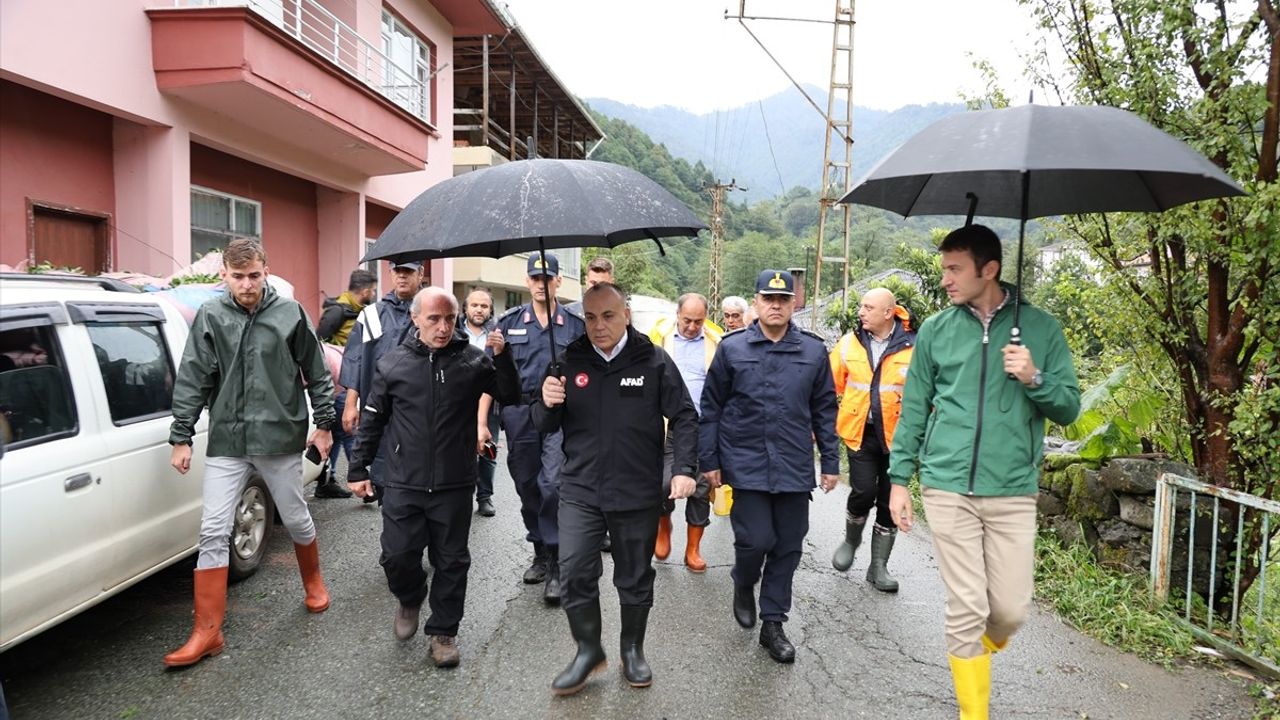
(224, 480)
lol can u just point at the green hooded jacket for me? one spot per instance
(966, 426)
(245, 368)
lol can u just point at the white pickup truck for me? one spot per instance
(89, 504)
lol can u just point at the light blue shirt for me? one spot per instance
(691, 360)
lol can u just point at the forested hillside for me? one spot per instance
(736, 143)
(773, 232)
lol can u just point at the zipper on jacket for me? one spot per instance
(982, 397)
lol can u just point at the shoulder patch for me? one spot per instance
(731, 333)
(510, 311)
(575, 312)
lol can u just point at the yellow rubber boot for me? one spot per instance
(972, 677)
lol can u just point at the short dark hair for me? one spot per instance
(981, 241)
(601, 264)
(361, 279)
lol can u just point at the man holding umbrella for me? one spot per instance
(972, 425)
(610, 397)
(535, 458)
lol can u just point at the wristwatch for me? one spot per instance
(1037, 380)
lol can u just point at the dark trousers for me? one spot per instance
(869, 478)
(769, 530)
(342, 442)
(486, 467)
(633, 534)
(534, 461)
(697, 508)
(440, 523)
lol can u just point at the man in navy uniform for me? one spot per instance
(533, 458)
(768, 396)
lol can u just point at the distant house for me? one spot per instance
(1052, 254)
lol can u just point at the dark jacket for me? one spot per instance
(612, 422)
(378, 330)
(426, 403)
(245, 368)
(763, 405)
(337, 317)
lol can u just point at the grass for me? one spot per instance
(1112, 606)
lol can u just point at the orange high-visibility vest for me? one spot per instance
(854, 377)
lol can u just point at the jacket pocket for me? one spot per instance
(928, 433)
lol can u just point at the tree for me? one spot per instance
(1211, 298)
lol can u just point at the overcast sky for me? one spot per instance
(684, 53)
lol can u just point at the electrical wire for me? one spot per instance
(781, 186)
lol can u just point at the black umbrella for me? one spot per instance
(1036, 160)
(531, 205)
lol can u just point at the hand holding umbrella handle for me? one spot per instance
(1015, 338)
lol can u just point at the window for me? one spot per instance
(407, 76)
(513, 299)
(35, 393)
(217, 218)
(136, 370)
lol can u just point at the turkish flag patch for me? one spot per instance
(581, 380)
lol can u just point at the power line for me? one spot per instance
(781, 185)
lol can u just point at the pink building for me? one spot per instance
(137, 134)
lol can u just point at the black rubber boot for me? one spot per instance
(881, 548)
(330, 489)
(635, 618)
(551, 591)
(584, 623)
(773, 639)
(537, 571)
(744, 606)
(843, 558)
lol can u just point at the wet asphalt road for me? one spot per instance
(860, 653)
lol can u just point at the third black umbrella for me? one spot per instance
(1034, 161)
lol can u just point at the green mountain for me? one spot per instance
(736, 143)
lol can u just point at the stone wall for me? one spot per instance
(1110, 508)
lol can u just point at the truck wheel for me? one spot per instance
(250, 529)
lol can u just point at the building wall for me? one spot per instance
(289, 229)
(56, 48)
(54, 151)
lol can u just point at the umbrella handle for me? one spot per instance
(973, 206)
(1015, 338)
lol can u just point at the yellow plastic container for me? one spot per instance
(723, 501)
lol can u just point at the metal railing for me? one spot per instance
(313, 25)
(1252, 640)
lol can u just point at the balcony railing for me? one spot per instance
(314, 26)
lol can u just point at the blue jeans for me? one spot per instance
(341, 440)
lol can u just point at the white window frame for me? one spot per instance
(234, 232)
(372, 265)
(421, 70)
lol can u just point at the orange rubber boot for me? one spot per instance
(210, 607)
(691, 556)
(662, 548)
(309, 565)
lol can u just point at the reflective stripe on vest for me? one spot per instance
(371, 322)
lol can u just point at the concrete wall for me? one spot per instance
(52, 151)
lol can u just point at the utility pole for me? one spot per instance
(837, 164)
(717, 190)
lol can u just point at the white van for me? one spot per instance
(89, 504)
